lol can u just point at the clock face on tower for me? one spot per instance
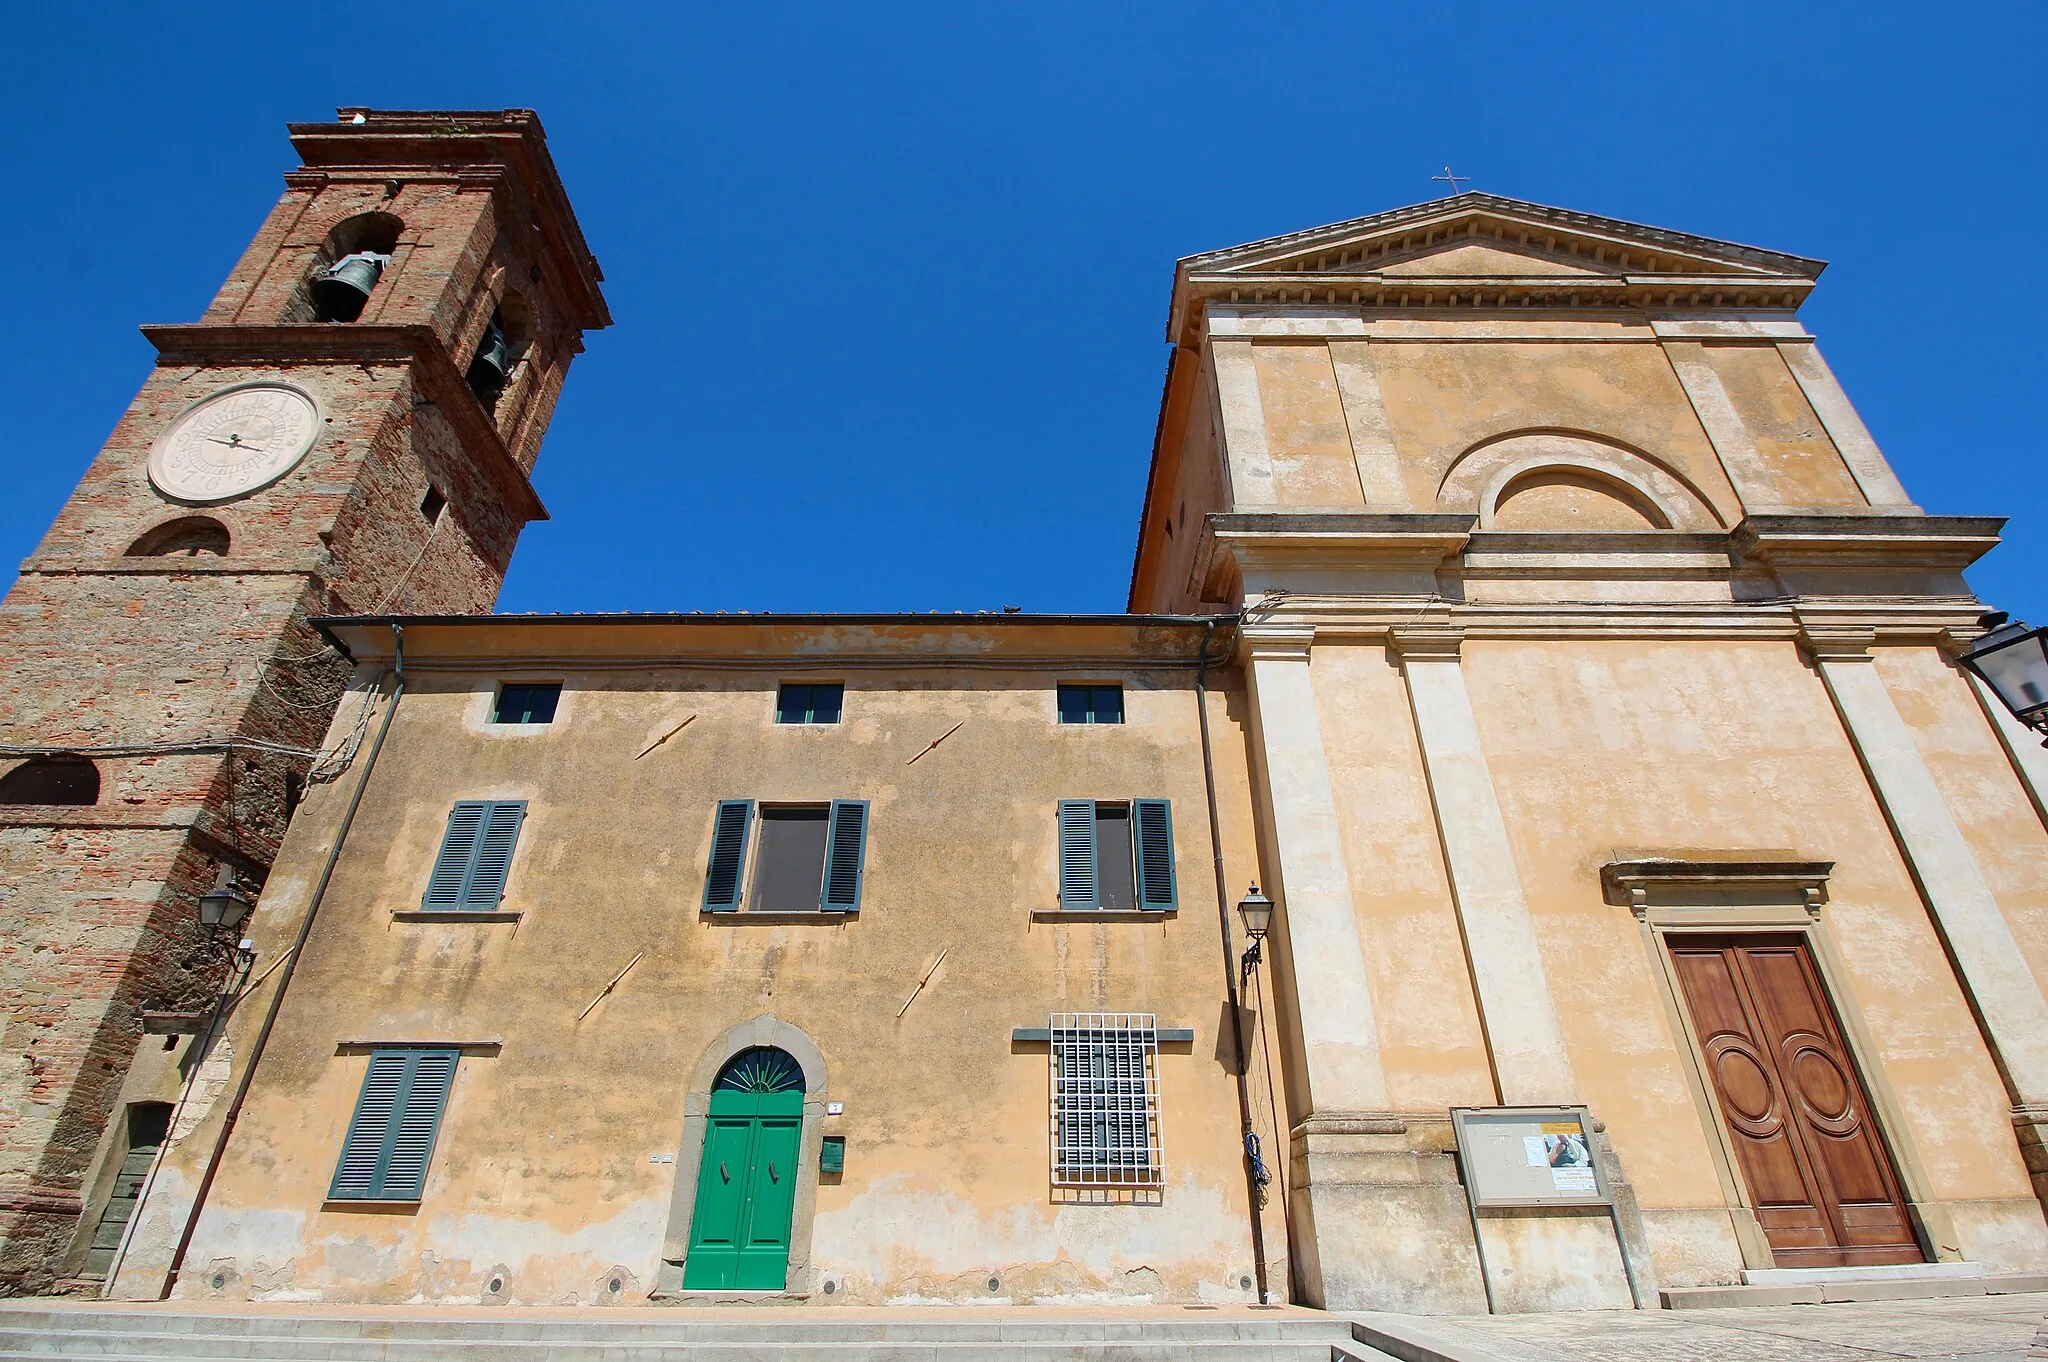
(234, 442)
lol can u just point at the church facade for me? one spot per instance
(1519, 601)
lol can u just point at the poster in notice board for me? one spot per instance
(1528, 1156)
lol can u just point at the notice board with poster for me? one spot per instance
(1528, 1156)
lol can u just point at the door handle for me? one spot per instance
(721, 1171)
(771, 1172)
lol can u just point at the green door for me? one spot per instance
(746, 1184)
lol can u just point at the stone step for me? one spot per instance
(15, 1332)
(368, 1351)
(736, 1336)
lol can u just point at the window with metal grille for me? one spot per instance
(397, 1119)
(1091, 704)
(1105, 1100)
(809, 702)
(527, 702)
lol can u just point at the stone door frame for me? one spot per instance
(764, 1030)
(1679, 898)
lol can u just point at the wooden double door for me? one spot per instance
(1818, 1174)
(746, 1193)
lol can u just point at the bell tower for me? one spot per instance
(350, 427)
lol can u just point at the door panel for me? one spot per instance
(1848, 1156)
(1817, 1172)
(715, 1227)
(771, 1198)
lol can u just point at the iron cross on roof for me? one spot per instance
(1453, 180)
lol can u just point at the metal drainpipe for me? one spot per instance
(1244, 1096)
(298, 953)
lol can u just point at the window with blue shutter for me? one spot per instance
(846, 847)
(391, 1137)
(728, 857)
(1077, 854)
(1117, 855)
(1152, 838)
(810, 858)
(475, 857)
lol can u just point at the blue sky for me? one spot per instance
(890, 282)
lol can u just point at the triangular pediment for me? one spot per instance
(1480, 236)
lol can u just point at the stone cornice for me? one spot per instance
(1427, 642)
(1608, 263)
(205, 565)
(1478, 206)
(1914, 542)
(212, 343)
(1638, 882)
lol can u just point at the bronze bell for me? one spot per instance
(340, 290)
(493, 362)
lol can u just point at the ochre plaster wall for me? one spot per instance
(1597, 746)
(1306, 435)
(545, 1170)
(1804, 464)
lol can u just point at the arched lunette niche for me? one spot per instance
(1566, 480)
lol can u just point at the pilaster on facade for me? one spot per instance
(1524, 1037)
(1993, 970)
(1312, 884)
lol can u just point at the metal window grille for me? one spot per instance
(1105, 1100)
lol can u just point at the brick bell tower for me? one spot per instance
(349, 428)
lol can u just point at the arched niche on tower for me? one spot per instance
(59, 779)
(190, 536)
(1570, 480)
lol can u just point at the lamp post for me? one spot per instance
(1257, 911)
(2012, 660)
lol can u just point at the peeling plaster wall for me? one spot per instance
(559, 1155)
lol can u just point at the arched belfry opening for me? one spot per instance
(353, 259)
(190, 536)
(502, 348)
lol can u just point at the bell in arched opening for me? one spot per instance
(493, 362)
(340, 291)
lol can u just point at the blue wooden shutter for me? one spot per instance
(418, 1123)
(476, 853)
(398, 1116)
(458, 853)
(728, 855)
(362, 1152)
(1077, 854)
(1152, 832)
(494, 855)
(845, 855)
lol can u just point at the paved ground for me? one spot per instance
(1962, 1328)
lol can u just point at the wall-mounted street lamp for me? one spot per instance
(1257, 911)
(2013, 660)
(223, 907)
